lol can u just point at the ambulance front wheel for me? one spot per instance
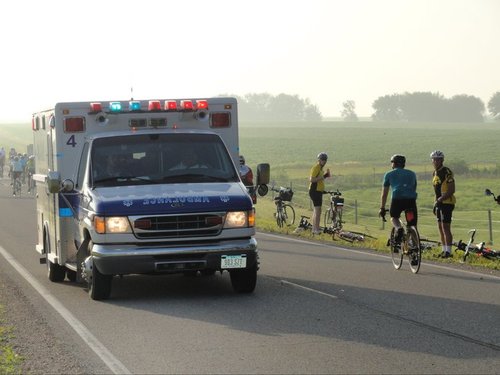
(99, 284)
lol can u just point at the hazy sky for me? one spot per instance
(328, 51)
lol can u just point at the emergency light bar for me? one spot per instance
(153, 106)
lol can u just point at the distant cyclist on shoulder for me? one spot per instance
(403, 183)
(17, 170)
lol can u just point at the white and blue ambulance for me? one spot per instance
(143, 187)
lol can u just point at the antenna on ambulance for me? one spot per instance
(131, 93)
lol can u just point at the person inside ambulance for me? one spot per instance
(114, 166)
(189, 160)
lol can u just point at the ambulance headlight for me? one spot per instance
(240, 219)
(115, 224)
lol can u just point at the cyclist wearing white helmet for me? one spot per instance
(316, 188)
(403, 184)
(444, 189)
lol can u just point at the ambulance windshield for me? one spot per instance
(159, 159)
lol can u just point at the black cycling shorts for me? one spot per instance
(400, 205)
(316, 197)
(444, 212)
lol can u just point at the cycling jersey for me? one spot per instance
(316, 171)
(403, 183)
(440, 180)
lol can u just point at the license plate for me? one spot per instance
(233, 261)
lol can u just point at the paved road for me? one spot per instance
(317, 308)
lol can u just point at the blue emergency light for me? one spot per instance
(115, 106)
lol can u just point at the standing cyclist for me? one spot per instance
(444, 189)
(403, 195)
(316, 188)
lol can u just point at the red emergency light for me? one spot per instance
(95, 107)
(187, 105)
(201, 104)
(154, 105)
(170, 105)
(220, 120)
(74, 124)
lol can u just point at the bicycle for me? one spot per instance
(342, 234)
(333, 215)
(488, 192)
(409, 245)
(31, 183)
(16, 185)
(285, 213)
(479, 249)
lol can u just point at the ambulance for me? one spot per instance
(143, 187)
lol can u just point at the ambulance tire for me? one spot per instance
(99, 285)
(71, 275)
(55, 272)
(245, 280)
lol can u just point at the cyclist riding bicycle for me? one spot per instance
(30, 171)
(403, 183)
(17, 170)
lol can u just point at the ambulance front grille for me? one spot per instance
(175, 226)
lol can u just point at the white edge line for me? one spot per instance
(479, 274)
(107, 357)
(308, 289)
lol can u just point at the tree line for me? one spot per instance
(414, 106)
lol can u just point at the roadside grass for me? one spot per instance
(10, 362)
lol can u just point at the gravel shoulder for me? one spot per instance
(32, 337)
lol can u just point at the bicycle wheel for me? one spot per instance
(414, 249)
(279, 216)
(328, 218)
(396, 251)
(288, 214)
(337, 219)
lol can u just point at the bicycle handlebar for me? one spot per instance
(336, 192)
(495, 198)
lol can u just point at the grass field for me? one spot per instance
(359, 156)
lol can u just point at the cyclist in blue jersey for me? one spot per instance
(403, 184)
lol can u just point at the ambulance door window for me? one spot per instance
(82, 167)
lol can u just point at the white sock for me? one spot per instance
(447, 248)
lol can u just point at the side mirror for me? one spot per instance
(263, 174)
(68, 185)
(262, 190)
(53, 182)
(488, 192)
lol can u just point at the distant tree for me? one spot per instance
(465, 108)
(283, 107)
(422, 106)
(349, 111)
(387, 108)
(494, 105)
(428, 107)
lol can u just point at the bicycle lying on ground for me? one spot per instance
(333, 215)
(479, 249)
(408, 245)
(285, 213)
(345, 235)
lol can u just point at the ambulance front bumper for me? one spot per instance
(132, 259)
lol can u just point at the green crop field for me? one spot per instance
(359, 156)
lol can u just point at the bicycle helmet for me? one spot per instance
(322, 156)
(436, 154)
(398, 159)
